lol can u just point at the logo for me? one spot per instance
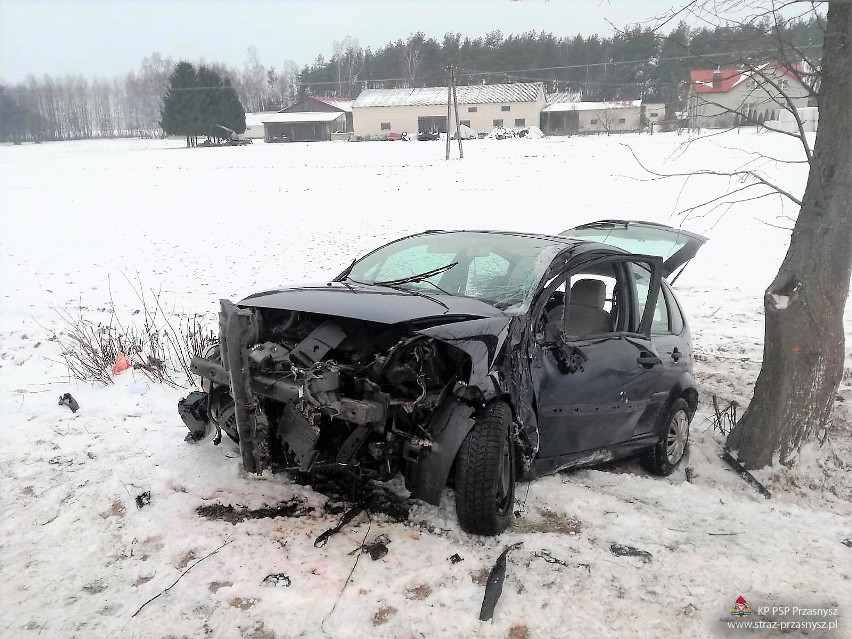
(740, 608)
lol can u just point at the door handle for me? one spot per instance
(676, 354)
(648, 360)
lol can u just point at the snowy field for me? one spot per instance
(78, 558)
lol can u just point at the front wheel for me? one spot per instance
(485, 473)
(666, 454)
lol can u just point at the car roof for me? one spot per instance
(555, 239)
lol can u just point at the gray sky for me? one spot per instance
(108, 37)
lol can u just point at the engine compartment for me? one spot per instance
(331, 391)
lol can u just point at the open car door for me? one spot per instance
(675, 246)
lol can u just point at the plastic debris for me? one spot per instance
(70, 402)
(348, 516)
(750, 479)
(377, 549)
(456, 558)
(620, 550)
(494, 586)
(121, 364)
(278, 579)
(144, 499)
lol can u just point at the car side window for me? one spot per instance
(660, 323)
(641, 276)
(583, 305)
(677, 323)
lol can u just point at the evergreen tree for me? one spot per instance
(197, 101)
(180, 114)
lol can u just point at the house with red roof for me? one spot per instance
(728, 97)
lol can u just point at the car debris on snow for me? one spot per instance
(278, 579)
(494, 586)
(743, 472)
(348, 516)
(69, 401)
(143, 499)
(456, 558)
(621, 550)
(377, 549)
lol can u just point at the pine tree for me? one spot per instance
(180, 114)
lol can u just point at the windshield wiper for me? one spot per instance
(419, 277)
(395, 287)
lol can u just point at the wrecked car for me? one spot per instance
(470, 359)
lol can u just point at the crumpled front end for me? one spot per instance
(302, 391)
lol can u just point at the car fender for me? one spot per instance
(684, 387)
(450, 424)
(484, 343)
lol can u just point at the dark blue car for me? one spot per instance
(463, 358)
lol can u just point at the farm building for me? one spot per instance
(378, 112)
(572, 118)
(311, 120)
(254, 124)
(728, 97)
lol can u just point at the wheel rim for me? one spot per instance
(504, 480)
(678, 435)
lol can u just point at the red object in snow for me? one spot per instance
(121, 364)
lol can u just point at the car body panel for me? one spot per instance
(371, 303)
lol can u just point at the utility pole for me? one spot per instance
(452, 102)
(449, 105)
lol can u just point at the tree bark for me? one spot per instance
(803, 350)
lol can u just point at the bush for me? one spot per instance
(161, 347)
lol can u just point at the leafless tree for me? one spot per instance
(803, 349)
(348, 59)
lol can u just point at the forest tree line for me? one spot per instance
(633, 63)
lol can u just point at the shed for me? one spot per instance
(307, 126)
(326, 105)
(571, 118)
(482, 107)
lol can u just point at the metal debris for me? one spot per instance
(348, 516)
(70, 402)
(494, 587)
(456, 558)
(377, 549)
(847, 543)
(278, 579)
(620, 550)
(743, 472)
(544, 554)
(144, 499)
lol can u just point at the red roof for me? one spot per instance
(723, 80)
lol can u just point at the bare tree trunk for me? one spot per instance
(803, 349)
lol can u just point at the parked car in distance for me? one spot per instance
(464, 358)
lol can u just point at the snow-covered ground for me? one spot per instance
(78, 558)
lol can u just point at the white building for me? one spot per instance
(254, 124)
(730, 97)
(571, 118)
(379, 112)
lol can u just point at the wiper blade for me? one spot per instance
(419, 277)
(407, 291)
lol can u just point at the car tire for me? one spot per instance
(666, 454)
(485, 473)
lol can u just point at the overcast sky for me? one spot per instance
(104, 38)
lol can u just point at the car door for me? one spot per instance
(593, 383)
(670, 340)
